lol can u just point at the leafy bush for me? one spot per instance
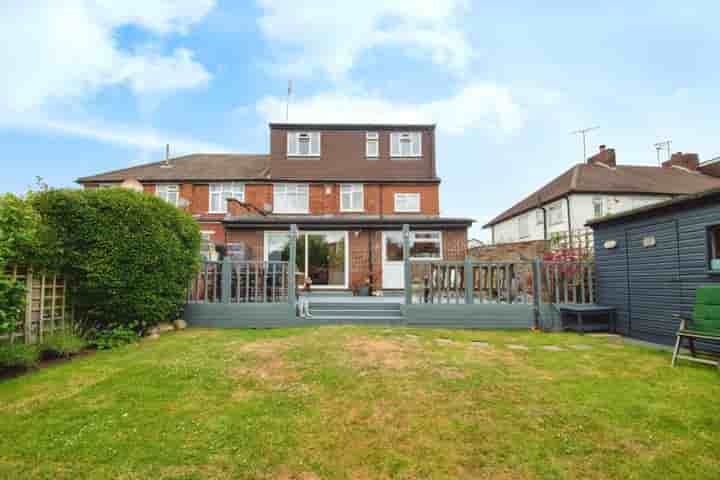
(62, 345)
(128, 255)
(18, 355)
(113, 337)
(12, 300)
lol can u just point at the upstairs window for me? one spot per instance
(220, 192)
(524, 225)
(406, 144)
(303, 144)
(714, 244)
(372, 144)
(169, 192)
(351, 197)
(556, 214)
(539, 217)
(598, 207)
(291, 198)
(407, 202)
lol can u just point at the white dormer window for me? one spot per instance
(372, 144)
(220, 192)
(303, 144)
(406, 144)
(169, 192)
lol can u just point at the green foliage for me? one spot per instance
(12, 300)
(20, 231)
(62, 345)
(113, 337)
(128, 255)
(18, 355)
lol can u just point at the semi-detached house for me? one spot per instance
(349, 189)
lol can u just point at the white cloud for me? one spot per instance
(56, 52)
(483, 106)
(122, 135)
(330, 36)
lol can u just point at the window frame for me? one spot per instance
(355, 188)
(438, 241)
(162, 189)
(598, 201)
(539, 217)
(223, 200)
(397, 195)
(713, 247)
(551, 210)
(372, 138)
(397, 154)
(524, 221)
(293, 143)
(296, 187)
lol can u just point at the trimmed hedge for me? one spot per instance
(127, 255)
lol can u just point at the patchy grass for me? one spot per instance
(357, 403)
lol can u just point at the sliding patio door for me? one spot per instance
(322, 256)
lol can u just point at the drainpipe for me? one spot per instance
(567, 201)
(544, 223)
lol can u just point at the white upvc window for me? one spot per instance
(303, 144)
(598, 207)
(426, 245)
(524, 225)
(407, 202)
(170, 192)
(555, 214)
(406, 144)
(372, 144)
(220, 192)
(351, 197)
(291, 198)
(539, 217)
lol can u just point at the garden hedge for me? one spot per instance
(127, 255)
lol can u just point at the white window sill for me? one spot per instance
(301, 155)
(291, 213)
(405, 157)
(352, 210)
(407, 211)
(213, 212)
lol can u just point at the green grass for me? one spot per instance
(357, 403)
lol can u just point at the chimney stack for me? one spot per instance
(605, 156)
(689, 161)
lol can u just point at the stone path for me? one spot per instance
(518, 346)
(513, 346)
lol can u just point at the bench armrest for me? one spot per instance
(684, 320)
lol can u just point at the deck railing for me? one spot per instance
(473, 282)
(240, 282)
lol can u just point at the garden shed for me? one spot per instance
(651, 260)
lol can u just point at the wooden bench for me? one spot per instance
(704, 325)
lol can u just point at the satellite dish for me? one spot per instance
(132, 184)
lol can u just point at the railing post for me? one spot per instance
(292, 247)
(407, 280)
(226, 279)
(468, 281)
(537, 268)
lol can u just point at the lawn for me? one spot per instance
(364, 403)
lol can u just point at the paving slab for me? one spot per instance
(581, 347)
(479, 344)
(444, 341)
(553, 348)
(513, 346)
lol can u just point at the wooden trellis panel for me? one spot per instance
(47, 308)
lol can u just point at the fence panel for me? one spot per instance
(568, 282)
(47, 307)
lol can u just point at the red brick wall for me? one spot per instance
(455, 244)
(255, 241)
(360, 258)
(510, 252)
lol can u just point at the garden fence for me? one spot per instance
(47, 308)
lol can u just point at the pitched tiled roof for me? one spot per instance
(628, 179)
(193, 167)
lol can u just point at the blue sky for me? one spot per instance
(100, 85)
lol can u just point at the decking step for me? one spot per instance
(355, 319)
(355, 312)
(356, 306)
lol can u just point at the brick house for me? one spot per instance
(348, 188)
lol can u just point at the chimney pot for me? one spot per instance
(689, 161)
(602, 147)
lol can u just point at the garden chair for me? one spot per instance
(704, 325)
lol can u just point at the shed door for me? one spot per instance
(653, 280)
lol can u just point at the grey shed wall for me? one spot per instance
(648, 284)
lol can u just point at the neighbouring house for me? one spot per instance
(561, 208)
(650, 262)
(349, 189)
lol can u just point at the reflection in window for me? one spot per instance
(714, 240)
(427, 245)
